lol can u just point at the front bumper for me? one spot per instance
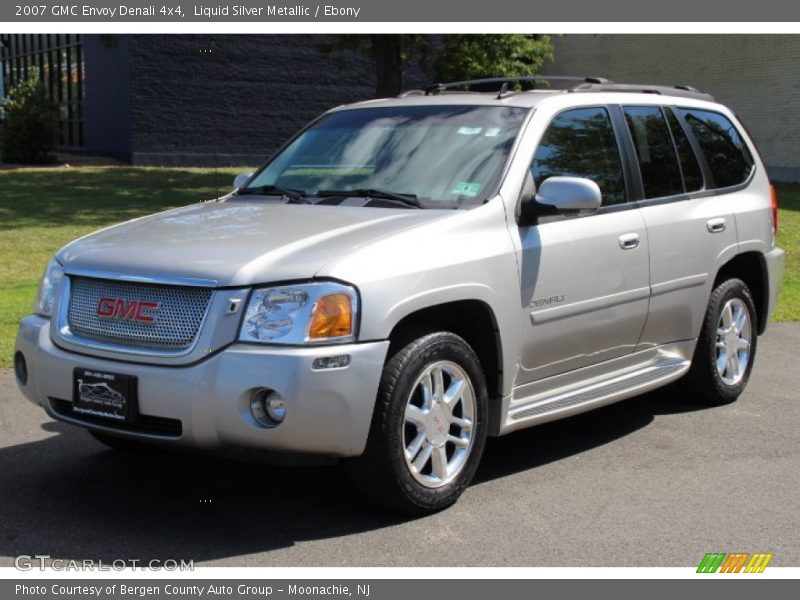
(328, 411)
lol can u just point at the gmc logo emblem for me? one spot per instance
(126, 310)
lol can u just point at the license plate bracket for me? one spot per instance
(109, 396)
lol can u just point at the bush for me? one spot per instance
(30, 131)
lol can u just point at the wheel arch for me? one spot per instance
(475, 322)
(750, 267)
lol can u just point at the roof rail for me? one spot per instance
(411, 93)
(684, 91)
(437, 88)
(580, 84)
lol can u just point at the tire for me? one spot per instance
(120, 444)
(413, 418)
(707, 382)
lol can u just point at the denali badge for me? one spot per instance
(140, 311)
(545, 301)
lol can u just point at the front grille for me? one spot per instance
(175, 324)
(144, 423)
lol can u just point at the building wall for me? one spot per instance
(107, 109)
(233, 99)
(756, 75)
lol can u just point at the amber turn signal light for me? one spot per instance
(332, 317)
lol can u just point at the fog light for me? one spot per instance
(276, 408)
(268, 408)
(20, 368)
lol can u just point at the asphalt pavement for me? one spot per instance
(653, 481)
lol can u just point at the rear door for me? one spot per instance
(690, 162)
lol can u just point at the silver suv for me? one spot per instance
(408, 276)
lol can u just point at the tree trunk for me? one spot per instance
(387, 50)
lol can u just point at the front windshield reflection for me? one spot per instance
(444, 155)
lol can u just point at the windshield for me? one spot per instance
(443, 155)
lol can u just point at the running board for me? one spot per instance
(576, 400)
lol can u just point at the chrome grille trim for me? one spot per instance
(181, 313)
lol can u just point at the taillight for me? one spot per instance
(774, 208)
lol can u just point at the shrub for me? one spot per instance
(30, 131)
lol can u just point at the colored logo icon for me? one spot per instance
(737, 562)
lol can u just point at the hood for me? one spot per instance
(237, 243)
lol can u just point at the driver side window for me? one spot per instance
(580, 143)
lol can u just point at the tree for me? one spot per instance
(449, 58)
(30, 131)
(467, 56)
(387, 53)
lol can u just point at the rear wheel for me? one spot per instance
(726, 349)
(428, 429)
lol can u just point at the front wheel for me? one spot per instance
(726, 349)
(428, 429)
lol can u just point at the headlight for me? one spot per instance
(48, 288)
(309, 313)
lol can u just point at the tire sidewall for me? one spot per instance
(732, 288)
(435, 347)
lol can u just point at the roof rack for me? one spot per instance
(580, 84)
(684, 91)
(437, 88)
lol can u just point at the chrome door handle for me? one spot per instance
(716, 225)
(629, 241)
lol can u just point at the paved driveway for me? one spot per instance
(654, 481)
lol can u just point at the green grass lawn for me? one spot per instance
(789, 239)
(43, 209)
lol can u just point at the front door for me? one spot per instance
(585, 280)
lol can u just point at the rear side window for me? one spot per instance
(581, 143)
(692, 175)
(658, 161)
(722, 146)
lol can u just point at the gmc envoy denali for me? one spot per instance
(408, 276)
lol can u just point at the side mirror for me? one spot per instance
(241, 179)
(560, 195)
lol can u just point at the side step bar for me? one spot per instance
(580, 399)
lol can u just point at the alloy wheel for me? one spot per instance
(439, 424)
(734, 332)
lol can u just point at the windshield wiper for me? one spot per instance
(407, 199)
(292, 195)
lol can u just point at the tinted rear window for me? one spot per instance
(722, 146)
(692, 176)
(658, 162)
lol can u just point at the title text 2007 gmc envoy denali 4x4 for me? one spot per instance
(407, 276)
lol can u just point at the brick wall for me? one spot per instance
(233, 99)
(758, 76)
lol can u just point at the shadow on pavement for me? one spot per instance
(69, 497)
(537, 446)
